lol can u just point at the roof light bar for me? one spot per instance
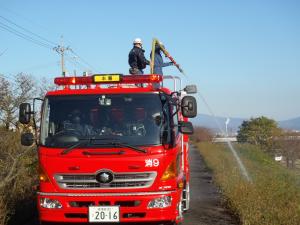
(108, 79)
(73, 80)
(133, 79)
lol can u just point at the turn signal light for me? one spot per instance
(42, 175)
(155, 78)
(170, 172)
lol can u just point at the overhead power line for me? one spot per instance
(24, 18)
(39, 40)
(28, 31)
(63, 51)
(3, 52)
(24, 36)
(77, 64)
(34, 68)
(83, 60)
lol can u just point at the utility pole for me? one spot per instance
(60, 49)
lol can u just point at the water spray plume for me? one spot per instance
(232, 149)
(237, 158)
(239, 161)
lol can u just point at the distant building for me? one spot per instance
(224, 139)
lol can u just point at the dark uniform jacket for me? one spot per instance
(136, 58)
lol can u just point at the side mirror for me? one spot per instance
(25, 113)
(191, 89)
(27, 139)
(185, 127)
(189, 106)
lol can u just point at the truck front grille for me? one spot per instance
(121, 180)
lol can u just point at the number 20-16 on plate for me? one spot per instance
(104, 214)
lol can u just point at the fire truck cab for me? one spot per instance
(113, 148)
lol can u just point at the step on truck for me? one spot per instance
(112, 148)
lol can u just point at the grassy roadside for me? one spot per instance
(17, 177)
(273, 197)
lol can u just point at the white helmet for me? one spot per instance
(137, 41)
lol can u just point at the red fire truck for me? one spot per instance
(113, 148)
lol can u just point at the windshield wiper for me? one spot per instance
(103, 153)
(80, 143)
(113, 143)
(119, 144)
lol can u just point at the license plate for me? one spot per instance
(98, 214)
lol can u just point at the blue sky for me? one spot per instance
(244, 56)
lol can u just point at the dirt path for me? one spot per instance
(205, 205)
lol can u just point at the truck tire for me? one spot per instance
(174, 223)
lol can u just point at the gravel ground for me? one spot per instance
(206, 207)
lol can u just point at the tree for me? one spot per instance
(260, 131)
(44, 86)
(289, 144)
(17, 176)
(12, 95)
(202, 134)
(17, 163)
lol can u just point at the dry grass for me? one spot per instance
(17, 176)
(273, 197)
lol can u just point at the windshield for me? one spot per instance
(134, 119)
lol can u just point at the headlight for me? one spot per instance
(162, 202)
(50, 203)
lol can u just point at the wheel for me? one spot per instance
(170, 223)
(175, 223)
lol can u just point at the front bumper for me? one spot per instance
(133, 206)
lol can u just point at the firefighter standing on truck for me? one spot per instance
(158, 60)
(136, 58)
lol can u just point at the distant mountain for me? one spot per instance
(292, 124)
(234, 123)
(208, 121)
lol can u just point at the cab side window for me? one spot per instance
(174, 120)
